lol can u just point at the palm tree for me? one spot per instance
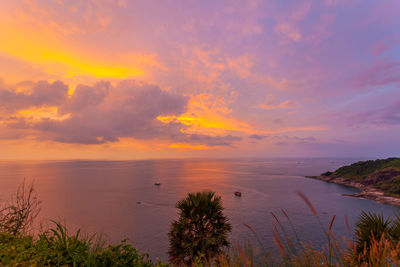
(394, 230)
(371, 227)
(201, 231)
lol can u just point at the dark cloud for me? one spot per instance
(103, 113)
(284, 139)
(257, 136)
(100, 114)
(39, 94)
(86, 97)
(226, 140)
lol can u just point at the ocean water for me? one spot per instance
(103, 196)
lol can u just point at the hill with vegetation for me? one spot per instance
(381, 174)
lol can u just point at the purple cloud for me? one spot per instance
(389, 115)
(103, 113)
(99, 114)
(85, 96)
(257, 136)
(226, 140)
(382, 72)
(40, 94)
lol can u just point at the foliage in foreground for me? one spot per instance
(56, 247)
(199, 238)
(18, 214)
(376, 242)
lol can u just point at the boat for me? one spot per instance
(157, 183)
(238, 193)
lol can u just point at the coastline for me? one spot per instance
(367, 192)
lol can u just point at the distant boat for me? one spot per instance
(238, 193)
(157, 183)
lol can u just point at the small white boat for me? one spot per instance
(157, 183)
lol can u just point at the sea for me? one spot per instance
(118, 199)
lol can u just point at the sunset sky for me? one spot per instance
(108, 79)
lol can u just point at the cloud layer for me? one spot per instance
(264, 78)
(101, 113)
(41, 94)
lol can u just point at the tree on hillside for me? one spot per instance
(201, 231)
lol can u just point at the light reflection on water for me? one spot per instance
(102, 196)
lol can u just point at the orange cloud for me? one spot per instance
(241, 65)
(209, 114)
(37, 114)
(316, 128)
(189, 147)
(202, 64)
(47, 47)
(54, 59)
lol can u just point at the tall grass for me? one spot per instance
(375, 242)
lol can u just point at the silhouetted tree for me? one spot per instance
(201, 231)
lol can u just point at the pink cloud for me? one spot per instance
(288, 31)
(382, 72)
(301, 12)
(384, 45)
(321, 29)
(241, 65)
(389, 115)
(40, 94)
(287, 104)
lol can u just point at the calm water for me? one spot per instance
(102, 196)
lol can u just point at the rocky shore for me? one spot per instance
(367, 192)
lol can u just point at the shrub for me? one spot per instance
(56, 247)
(19, 214)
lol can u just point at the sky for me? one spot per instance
(108, 79)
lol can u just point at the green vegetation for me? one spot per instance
(371, 227)
(327, 174)
(201, 232)
(383, 174)
(55, 246)
(362, 169)
(198, 238)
